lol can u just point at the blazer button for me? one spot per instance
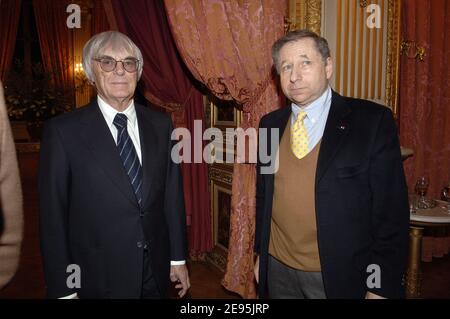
(143, 213)
(139, 244)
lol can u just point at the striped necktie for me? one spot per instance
(299, 136)
(128, 155)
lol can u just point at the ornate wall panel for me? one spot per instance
(221, 115)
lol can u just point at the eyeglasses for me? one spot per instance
(108, 64)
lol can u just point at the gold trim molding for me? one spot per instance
(221, 174)
(363, 3)
(304, 14)
(313, 15)
(393, 54)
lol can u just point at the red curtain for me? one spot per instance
(100, 21)
(425, 93)
(56, 41)
(9, 20)
(167, 83)
(425, 99)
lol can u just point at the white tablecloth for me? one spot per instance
(438, 214)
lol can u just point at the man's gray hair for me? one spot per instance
(100, 42)
(321, 44)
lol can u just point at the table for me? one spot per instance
(434, 217)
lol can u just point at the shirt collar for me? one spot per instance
(316, 108)
(109, 112)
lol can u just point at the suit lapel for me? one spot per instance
(336, 128)
(147, 136)
(97, 136)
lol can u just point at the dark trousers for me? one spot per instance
(150, 289)
(285, 282)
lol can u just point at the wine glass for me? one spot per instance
(421, 190)
(445, 195)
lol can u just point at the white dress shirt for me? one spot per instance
(109, 113)
(316, 117)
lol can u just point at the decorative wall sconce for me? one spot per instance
(79, 72)
(81, 80)
(405, 47)
(78, 67)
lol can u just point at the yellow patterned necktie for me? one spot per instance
(299, 136)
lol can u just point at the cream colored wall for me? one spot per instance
(359, 52)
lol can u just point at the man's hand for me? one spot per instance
(256, 269)
(370, 295)
(179, 274)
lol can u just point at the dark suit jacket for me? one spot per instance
(360, 196)
(89, 214)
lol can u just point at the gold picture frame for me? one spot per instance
(224, 114)
(221, 177)
(221, 214)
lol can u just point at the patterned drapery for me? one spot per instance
(226, 45)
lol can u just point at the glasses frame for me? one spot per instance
(115, 63)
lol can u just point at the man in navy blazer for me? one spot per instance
(345, 232)
(111, 198)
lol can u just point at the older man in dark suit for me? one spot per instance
(111, 198)
(332, 221)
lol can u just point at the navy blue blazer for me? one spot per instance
(361, 200)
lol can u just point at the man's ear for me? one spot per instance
(329, 67)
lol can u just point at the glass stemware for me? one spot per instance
(421, 190)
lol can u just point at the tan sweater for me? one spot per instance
(293, 237)
(11, 211)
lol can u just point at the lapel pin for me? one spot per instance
(342, 126)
